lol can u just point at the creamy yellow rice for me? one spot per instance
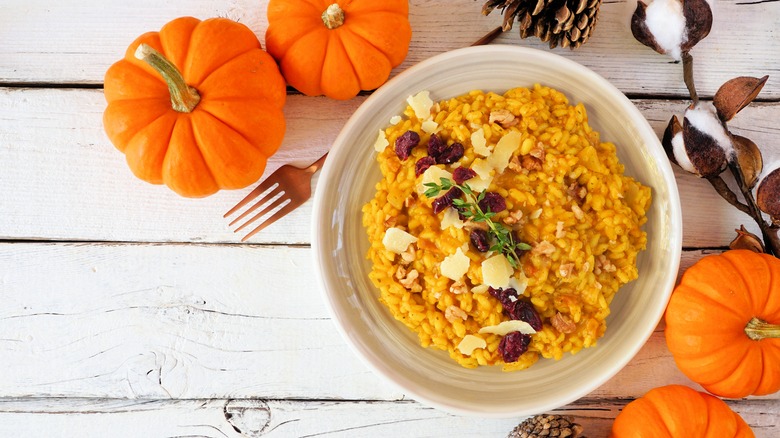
(584, 248)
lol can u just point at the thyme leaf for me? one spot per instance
(469, 208)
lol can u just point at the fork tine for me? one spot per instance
(265, 185)
(292, 205)
(276, 191)
(266, 210)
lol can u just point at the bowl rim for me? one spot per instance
(319, 216)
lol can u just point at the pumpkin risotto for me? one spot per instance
(503, 226)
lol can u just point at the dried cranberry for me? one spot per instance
(423, 164)
(462, 174)
(451, 154)
(405, 143)
(507, 297)
(493, 202)
(513, 345)
(444, 201)
(525, 311)
(436, 146)
(479, 238)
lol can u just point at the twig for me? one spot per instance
(768, 232)
(688, 77)
(725, 192)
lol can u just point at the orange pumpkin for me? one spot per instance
(676, 411)
(201, 111)
(723, 323)
(337, 49)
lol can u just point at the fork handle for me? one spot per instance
(317, 164)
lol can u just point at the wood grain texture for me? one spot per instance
(84, 191)
(129, 311)
(143, 321)
(256, 418)
(45, 42)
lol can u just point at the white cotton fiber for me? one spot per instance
(704, 118)
(666, 23)
(678, 148)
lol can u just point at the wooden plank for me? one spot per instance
(197, 321)
(281, 418)
(83, 190)
(74, 43)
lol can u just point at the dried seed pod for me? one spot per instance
(749, 157)
(701, 145)
(736, 94)
(671, 27)
(768, 195)
(746, 240)
(698, 22)
(672, 136)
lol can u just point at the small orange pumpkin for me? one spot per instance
(337, 49)
(723, 323)
(197, 106)
(676, 411)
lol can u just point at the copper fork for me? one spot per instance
(288, 188)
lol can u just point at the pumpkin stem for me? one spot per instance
(757, 329)
(183, 97)
(333, 17)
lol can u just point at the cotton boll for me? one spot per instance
(704, 118)
(666, 22)
(680, 155)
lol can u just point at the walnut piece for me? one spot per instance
(577, 192)
(514, 217)
(453, 313)
(603, 264)
(531, 163)
(514, 164)
(459, 287)
(566, 269)
(560, 233)
(544, 248)
(408, 256)
(503, 117)
(563, 323)
(578, 213)
(538, 151)
(409, 280)
(390, 221)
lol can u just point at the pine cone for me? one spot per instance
(547, 425)
(567, 23)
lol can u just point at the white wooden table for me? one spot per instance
(126, 310)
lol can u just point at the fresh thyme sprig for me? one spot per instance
(470, 209)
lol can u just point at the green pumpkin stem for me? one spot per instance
(184, 98)
(333, 17)
(757, 329)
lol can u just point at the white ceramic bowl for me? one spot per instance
(392, 350)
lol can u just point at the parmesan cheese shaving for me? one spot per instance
(397, 240)
(381, 141)
(479, 143)
(503, 151)
(395, 120)
(429, 126)
(514, 325)
(496, 271)
(421, 104)
(455, 266)
(451, 219)
(469, 343)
